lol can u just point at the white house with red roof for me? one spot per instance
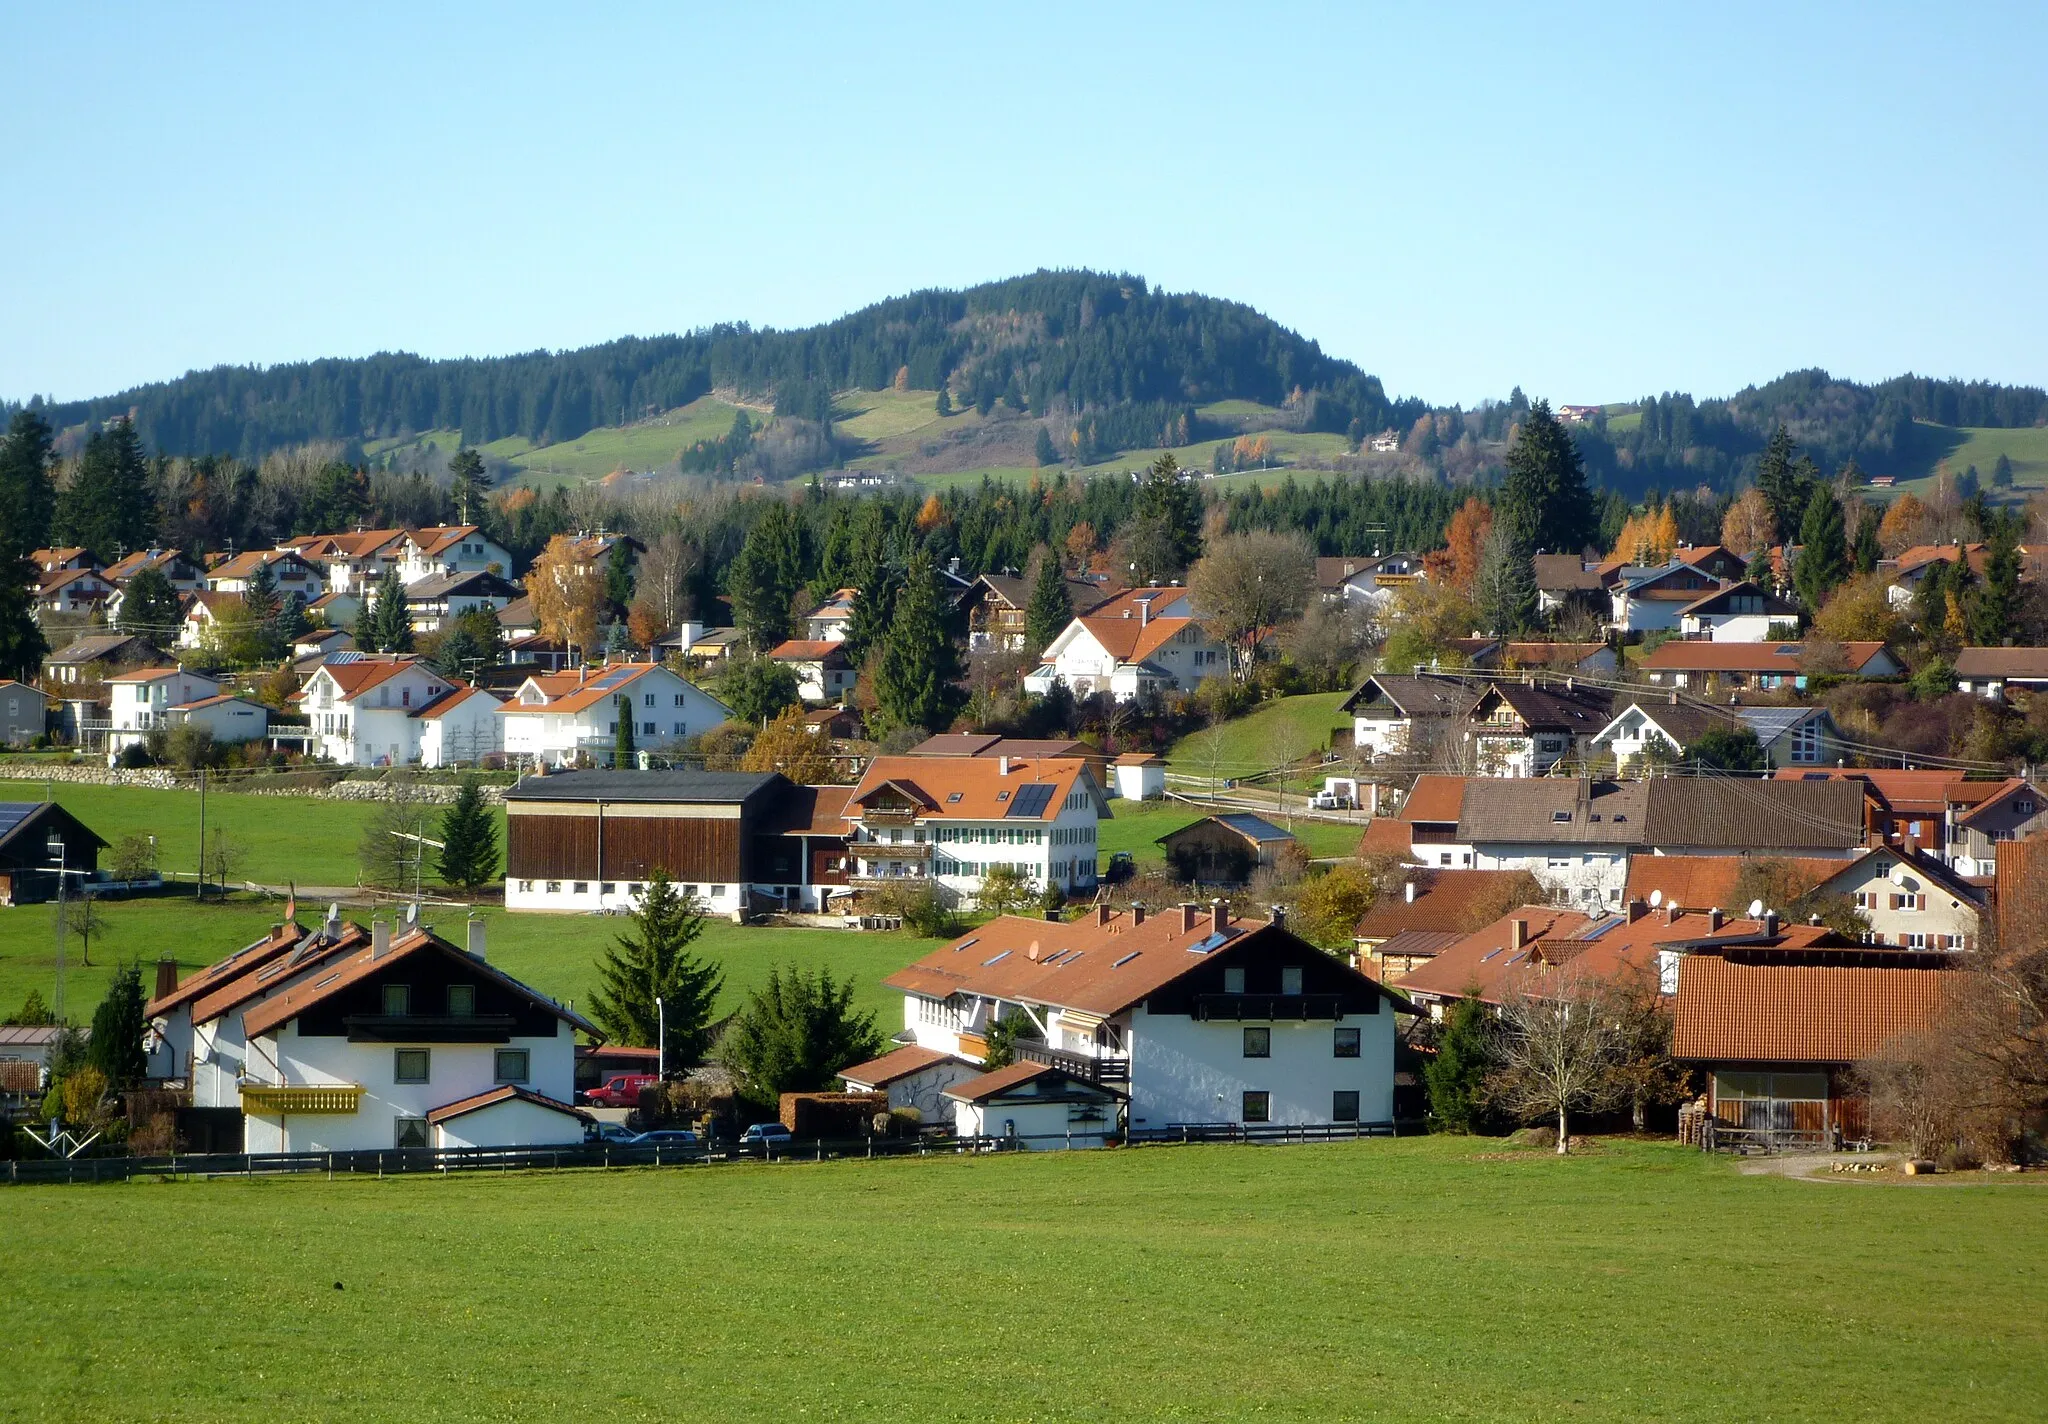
(141, 702)
(345, 1038)
(823, 673)
(450, 549)
(291, 573)
(459, 728)
(554, 718)
(1142, 642)
(951, 820)
(365, 709)
(1203, 1019)
(72, 591)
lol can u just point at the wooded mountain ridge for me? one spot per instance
(1140, 361)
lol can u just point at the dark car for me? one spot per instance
(666, 1137)
(615, 1133)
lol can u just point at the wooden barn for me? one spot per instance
(31, 833)
(590, 840)
(1225, 849)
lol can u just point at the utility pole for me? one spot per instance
(200, 889)
(660, 1039)
(62, 848)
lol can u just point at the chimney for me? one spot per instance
(1518, 933)
(166, 977)
(1671, 912)
(1279, 917)
(1102, 914)
(1052, 914)
(1144, 611)
(1714, 920)
(476, 936)
(380, 938)
(1770, 922)
(1189, 913)
(1219, 915)
(1137, 914)
(1002, 766)
(1408, 893)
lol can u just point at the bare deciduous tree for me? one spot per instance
(1249, 584)
(1561, 1043)
(664, 571)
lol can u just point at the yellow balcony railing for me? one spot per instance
(325, 1098)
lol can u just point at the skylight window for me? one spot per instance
(1126, 959)
(953, 798)
(1002, 796)
(995, 959)
(1560, 816)
(966, 944)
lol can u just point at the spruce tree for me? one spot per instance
(1544, 498)
(1865, 553)
(107, 506)
(22, 645)
(624, 752)
(468, 483)
(1456, 1077)
(28, 498)
(1778, 478)
(469, 835)
(618, 576)
(1044, 453)
(796, 1032)
(149, 607)
(118, 1026)
(765, 577)
(1824, 549)
(1996, 606)
(913, 685)
(944, 404)
(1167, 520)
(385, 621)
(262, 604)
(874, 601)
(653, 961)
(2001, 472)
(1506, 586)
(1050, 610)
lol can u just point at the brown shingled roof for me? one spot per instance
(1776, 1013)
(494, 1096)
(1444, 900)
(893, 1067)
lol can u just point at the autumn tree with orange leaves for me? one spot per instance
(1464, 538)
(1748, 525)
(567, 592)
(1907, 521)
(1649, 538)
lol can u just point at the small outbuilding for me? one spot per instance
(31, 835)
(1225, 849)
(507, 1116)
(1040, 1106)
(1140, 776)
(912, 1077)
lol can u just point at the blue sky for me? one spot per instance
(1592, 205)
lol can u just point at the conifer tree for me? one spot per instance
(1824, 550)
(624, 752)
(765, 577)
(2001, 472)
(1996, 606)
(28, 499)
(874, 601)
(1050, 610)
(1456, 1077)
(1045, 454)
(650, 962)
(469, 836)
(149, 606)
(468, 483)
(1865, 553)
(22, 645)
(1544, 498)
(944, 404)
(913, 685)
(107, 506)
(1505, 590)
(118, 1026)
(385, 624)
(261, 603)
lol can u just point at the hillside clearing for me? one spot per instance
(1425, 1278)
(1273, 734)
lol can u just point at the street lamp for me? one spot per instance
(660, 1039)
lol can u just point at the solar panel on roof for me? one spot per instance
(13, 813)
(1031, 800)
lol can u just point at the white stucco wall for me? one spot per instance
(455, 1071)
(1183, 1070)
(713, 899)
(1047, 1125)
(512, 1123)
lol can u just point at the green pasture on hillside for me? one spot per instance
(1273, 734)
(1964, 446)
(1137, 827)
(1420, 1279)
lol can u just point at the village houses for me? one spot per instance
(557, 719)
(1142, 642)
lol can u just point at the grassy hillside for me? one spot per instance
(1421, 1279)
(1276, 732)
(1962, 447)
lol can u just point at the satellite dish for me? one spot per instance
(1756, 909)
(1656, 898)
(1898, 875)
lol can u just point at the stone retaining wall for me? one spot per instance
(438, 793)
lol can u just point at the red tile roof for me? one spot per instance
(983, 792)
(1444, 900)
(505, 1094)
(990, 1085)
(1124, 630)
(1435, 798)
(1694, 655)
(893, 1067)
(1705, 882)
(1774, 1013)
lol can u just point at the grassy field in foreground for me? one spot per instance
(555, 953)
(1429, 1278)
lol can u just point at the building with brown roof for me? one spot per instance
(1430, 899)
(1142, 642)
(1394, 715)
(563, 718)
(1521, 729)
(1205, 1018)
(1038, 1106)
(950, 820)
(998, 605)
(1994, 673)
(823, 673)
(912, 1077)
(1707, 666)
(1779, 1041)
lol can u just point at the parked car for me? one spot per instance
(621, 1090)
(616, 1133)
(763, 1136)
(666, 1137)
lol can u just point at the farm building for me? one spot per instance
(24, 714)
(1044, 1107)
(1225, 849)
(1779, 1041)
(31, 836)
(912, 1077)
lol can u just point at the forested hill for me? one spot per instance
(1097, 342)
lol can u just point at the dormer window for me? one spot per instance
(461, 1001)
(397, 1000)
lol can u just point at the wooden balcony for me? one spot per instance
(1268, 1008)
(1081, 1065)
(270, 1099)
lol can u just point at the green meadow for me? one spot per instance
(1418, 1279)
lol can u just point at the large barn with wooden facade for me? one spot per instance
(590, 840)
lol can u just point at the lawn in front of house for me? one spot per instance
(1419, 1279)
